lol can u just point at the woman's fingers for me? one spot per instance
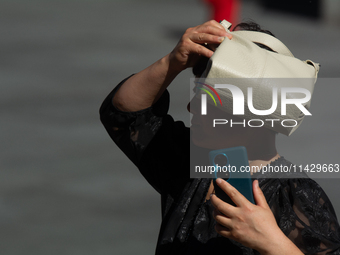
(222, 219)
(213, 27)
(222, 207)
(238, 198)
(223, 231)
(188, 50)
(259, 197)
(223, 223)
(191, 46)
(209, 32)
(202, 38)
(233, 193)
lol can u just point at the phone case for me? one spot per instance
(234, 159)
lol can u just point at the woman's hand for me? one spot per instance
(251, 225)
(191, 46)
(133, 96)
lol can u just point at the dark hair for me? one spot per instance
(251, 26)
(201, 64)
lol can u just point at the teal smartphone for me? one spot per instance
(231, 164)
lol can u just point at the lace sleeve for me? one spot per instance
(133, 131)
(305, 214)
(151, 139)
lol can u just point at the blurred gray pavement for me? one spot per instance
(64, 186)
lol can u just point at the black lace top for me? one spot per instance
(159, 147)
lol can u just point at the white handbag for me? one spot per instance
(243, 64)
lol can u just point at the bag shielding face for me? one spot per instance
(262, 77)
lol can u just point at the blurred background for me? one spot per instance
(64, 186)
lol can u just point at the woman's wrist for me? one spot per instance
(169, 68)
(174, 65)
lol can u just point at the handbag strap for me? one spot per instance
(259, 37)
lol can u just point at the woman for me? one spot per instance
(291, 216)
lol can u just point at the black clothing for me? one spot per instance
(160, 148)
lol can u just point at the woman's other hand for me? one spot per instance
(251, 225)
(191, 46)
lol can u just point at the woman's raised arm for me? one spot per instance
(144, 88)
